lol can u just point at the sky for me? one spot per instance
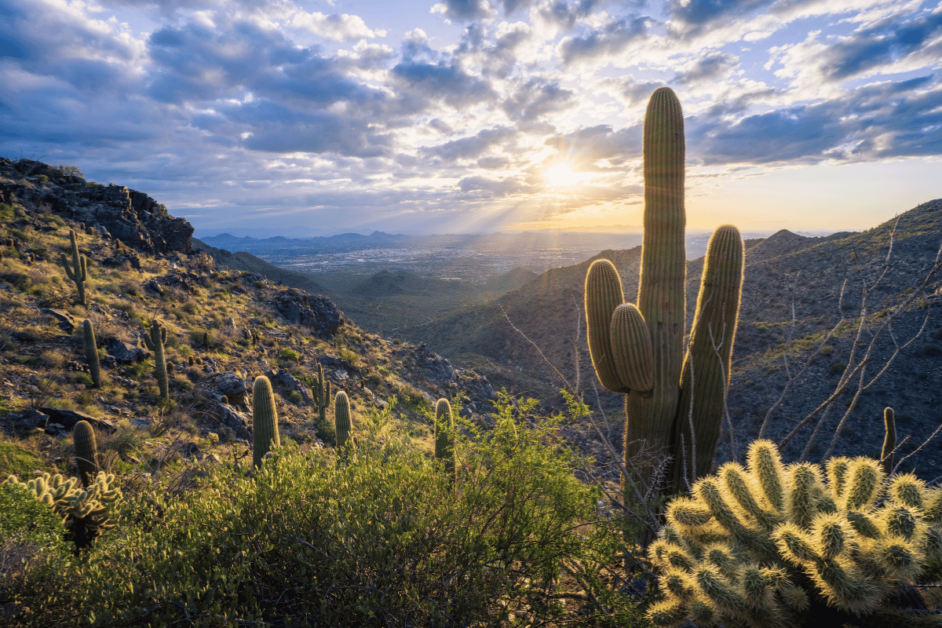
(321, 117)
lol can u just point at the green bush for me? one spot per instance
(380, 541)
(931, 350)
(827, 350)
(290, 355)
(294, 397)
(838, 367)
(24, 514)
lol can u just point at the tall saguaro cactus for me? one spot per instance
(155, 339)
(86, 451)
(77, 270)
(321, 393)
(264, 420)
(445, 439)
(342, 422)
(91, 353)
(638, 351)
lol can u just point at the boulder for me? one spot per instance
(27, 420)
(317, 312)
(123, 352)
(227, 384)
(63, 318)
(289, 381)
(68, 418)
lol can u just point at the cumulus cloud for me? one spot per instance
(605, 41)
(335, 27)
(463, 9)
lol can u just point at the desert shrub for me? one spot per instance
(838, 367)
(931, 350)
(290, 355)
(294, 397)
(827, 350)
(6, 212)
(384, 539)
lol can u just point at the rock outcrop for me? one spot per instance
(113, 210)
(317, 312)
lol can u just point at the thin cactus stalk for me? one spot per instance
(155, 339)
(264, 420)
(770, 546)
(343, 424)
(91, 353)
(889, 441)
(638, 351)
(445, 439)
(77, 269)
(321, 394)
(86, 451)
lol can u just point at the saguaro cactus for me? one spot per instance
(91, 353)
(321, 393)
(264, 420)
(155, 339)
(77, 270)
(889, 440)
(639, 350)
(86, 451)
(445, 439)
(342, 422)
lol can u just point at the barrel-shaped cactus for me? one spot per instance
(639, 350)
(77, 269)
(91, 353)
(321, 393)
(264, 420)
(770, 545)
(445, 439)
(343, 424)
(86, 451)
(155, 339)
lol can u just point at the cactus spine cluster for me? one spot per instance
(638, 351)
(342, 422)
(445, 439)
(91, 353)
(889, 440)
(773, 546)
(77, 269)
(321, 393)
(155, 339)
(86, 451)
(264, 420)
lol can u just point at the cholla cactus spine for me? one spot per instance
(775, 546)
(86, 451)
(889, 440)
(77, 270)
(155, 339)
(264, 420)
(91, 353)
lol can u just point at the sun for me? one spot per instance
(561, 174)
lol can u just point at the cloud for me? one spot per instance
(487, 187)
(335, 27)
(463, 9)
(877, 121)
(606, 41)
(444, 81)
(538, 97)
(590, 145)
(709, 67)
(471, 147)
(702, 12)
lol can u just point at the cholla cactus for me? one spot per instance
(783, 546)
(84, 512)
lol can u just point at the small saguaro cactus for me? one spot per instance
(889, 440)
(155, 339)
(638, 350)
(445, 439)
(343, 424)
(771, 546)
(86, 451)
(77, 269)
(91, 353)
(264, 420)
(321, 393)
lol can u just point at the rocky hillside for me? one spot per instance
(225, 326)
(248, 262)
(782, 270)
